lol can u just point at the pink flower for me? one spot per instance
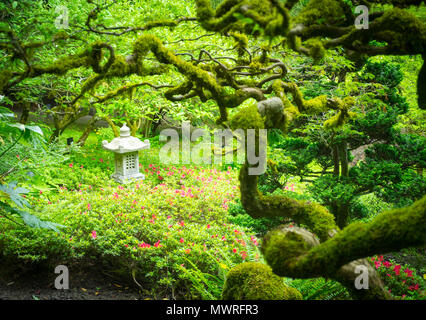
(208, 226)
(89, 206)
(71, 165)
(157, 244)
(387, 264)
(94, 235)
(397, 269)
(144, 245)
(101, 160)
(408, 272)
(181, 240)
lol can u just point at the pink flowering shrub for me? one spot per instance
(158, 230)
(401, 281)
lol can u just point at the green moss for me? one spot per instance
(321, 11)
(389, 231)
(294, 294)
(316, 217)
(96, 55)
(247, 118)
(5, 76)
(315, 105)
(255, 66)
(242, 42)
(243, 16)
(339, 119)
(120, 67)
(280, 248)
(255, 281)
(316, 49)
(290, 110)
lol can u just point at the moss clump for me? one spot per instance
(241, 42)
(316, 49)
(338, 120)
(255, 66)
(315, 105)
(255, 281)
(321, 11)
(281, 247)
(290, 110)
(294, 294)
(247, 118)
(5, 76)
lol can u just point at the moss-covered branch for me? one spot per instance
(271, 16)
(289, 254)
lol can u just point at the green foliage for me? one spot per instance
(12, 197)
(238, 216)
(385, 73)
(328, 189)
(320, 289)
(402, 281)
(148, 230)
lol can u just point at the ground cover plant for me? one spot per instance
(343, 188)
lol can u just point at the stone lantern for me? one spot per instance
(125, 148)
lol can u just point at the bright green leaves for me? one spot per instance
(421, 85)
(11, 194)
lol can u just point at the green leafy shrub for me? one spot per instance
(386, 73)
(148, 231)
(402, 282)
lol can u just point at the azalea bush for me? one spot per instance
(401, 280)
(158, 231)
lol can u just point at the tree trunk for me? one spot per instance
(342, 215)
(90, 126)
(25, 113)
(343, 155)
(336, 170)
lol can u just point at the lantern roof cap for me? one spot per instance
(124, 131)
(125, 143)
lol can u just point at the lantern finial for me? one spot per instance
(124, 131)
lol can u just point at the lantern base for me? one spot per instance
(128, 179)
